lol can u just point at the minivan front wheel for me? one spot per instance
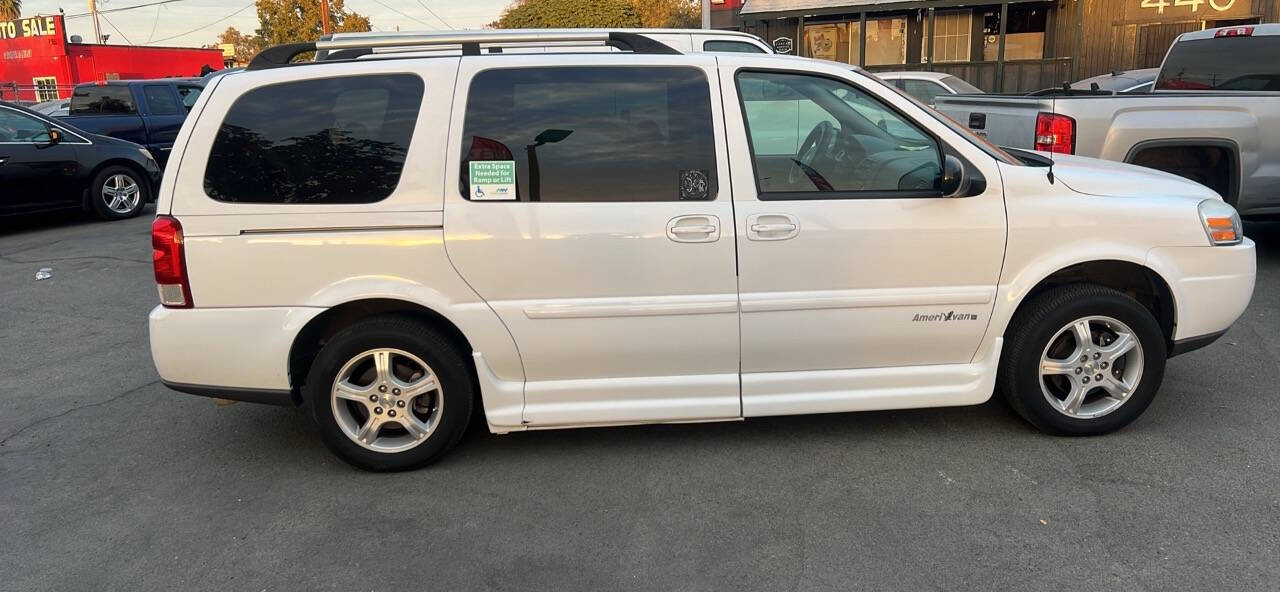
(389, 394)
(1082, 360)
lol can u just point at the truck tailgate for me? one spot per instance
(1003, 120)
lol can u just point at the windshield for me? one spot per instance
(979, 141)
(1223, 63)
(960, 86)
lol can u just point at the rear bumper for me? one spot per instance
(1211, 288)
(267, 397)
(231, 353)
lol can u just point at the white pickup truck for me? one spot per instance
(1214, 117)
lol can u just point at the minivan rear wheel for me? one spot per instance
(389, 394)
(1082, 360)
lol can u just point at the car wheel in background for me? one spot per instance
(118, 192)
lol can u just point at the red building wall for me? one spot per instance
(37, 47)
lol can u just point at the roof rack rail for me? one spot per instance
(470, 41)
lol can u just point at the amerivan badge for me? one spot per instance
(493, 180)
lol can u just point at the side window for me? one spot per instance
(589, 134)
(326, 141)
(160, 100)
(21, 128)
(731, 46)
(189, 94)
(924, 90)
(102, 100)
(818, 138)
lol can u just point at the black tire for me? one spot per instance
(1029, 334)
(98, 201)
(392, 331)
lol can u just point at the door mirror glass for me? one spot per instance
(955, 180)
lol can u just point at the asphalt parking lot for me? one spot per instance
(108, 481)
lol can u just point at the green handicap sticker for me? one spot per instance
(493, 180)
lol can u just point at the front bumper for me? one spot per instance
(1211, 287)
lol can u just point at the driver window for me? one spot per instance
(21, 128)
(812, 135)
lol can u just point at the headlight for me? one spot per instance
(1221, 223)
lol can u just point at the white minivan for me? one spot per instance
(580, 239)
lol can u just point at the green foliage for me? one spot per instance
(292, 21)
(246, 45)
(544, 14)
(10, 9)
(669, 14)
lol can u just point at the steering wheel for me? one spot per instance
(816, 146)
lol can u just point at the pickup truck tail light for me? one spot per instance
(1055, 133)
(168, 257)
(1234, 32)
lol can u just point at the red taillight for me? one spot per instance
(170, 263)
(1055, 133)
(1234, 32)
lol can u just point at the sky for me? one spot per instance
(198, 22)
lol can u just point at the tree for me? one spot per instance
(292, 21)
(246, 46)
(669, 14)
(10, 9)
(544, 14)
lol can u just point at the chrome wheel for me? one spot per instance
(1091, 367)
(387, 400)
(121, 193)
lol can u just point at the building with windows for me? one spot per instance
(39, 63)
(1010, 46)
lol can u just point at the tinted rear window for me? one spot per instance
(95, 100)
(328, 141)
(594, 134)
(1223, 63)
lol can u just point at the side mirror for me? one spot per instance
(955, 180)
(54, 136)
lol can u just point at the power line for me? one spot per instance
(117, 29)
(246, 7)
(421, 22)
(153, 26)
(122, 8)
(433, 13)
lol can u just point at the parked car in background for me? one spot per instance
(146, 112)
(606, 263)
(46, 164)
(1213, 117)
(1121, 81)
(927, 86)
(54, 108)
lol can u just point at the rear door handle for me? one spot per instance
(694, 228)
(772, 227)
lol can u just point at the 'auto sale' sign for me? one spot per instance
(36, 26)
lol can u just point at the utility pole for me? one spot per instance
(324, 15)
(93, 12)
(706, 14)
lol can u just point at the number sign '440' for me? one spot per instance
(1216, 5)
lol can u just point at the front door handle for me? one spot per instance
(772, 227)
(694, 228)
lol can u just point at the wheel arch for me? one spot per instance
(317, 331)
(1230, 147)
(1134, 279)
